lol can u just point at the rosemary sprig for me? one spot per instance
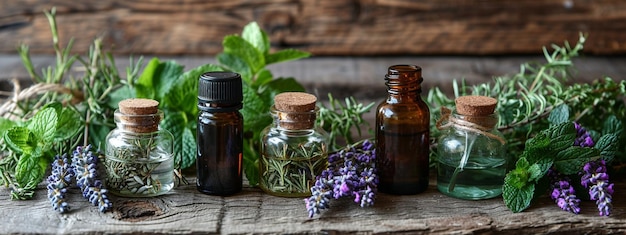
(340, 121)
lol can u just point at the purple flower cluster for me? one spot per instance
(583, 139)
(563, 193)
(594, 177)
(596, 180)
(58, 182)
(85, 164)
(83, 168)
(350, 172)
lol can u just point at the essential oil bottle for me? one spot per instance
(294, 150)
(139, 160)
(471, 159)
(219, 133)
(402, 133)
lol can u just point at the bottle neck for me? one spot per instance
(294, 121)
(403, 82)
(138, 124)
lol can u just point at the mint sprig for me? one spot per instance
(553, 148)
(32, 144)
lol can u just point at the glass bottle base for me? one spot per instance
(469, 192)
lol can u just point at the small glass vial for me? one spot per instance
(402, 133)
(471, 160)
(294, 150)
(139, 160)
(219, 133)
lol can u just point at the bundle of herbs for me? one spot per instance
(72, 103)
(537, 107)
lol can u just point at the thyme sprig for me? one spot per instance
(341, 121)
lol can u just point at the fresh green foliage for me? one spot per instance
(176, 91)
(553, 148)
(527, 98)
(340, 120)
(32, 146)
(57, 112)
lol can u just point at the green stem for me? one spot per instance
(469, 143)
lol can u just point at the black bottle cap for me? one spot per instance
(220, 91)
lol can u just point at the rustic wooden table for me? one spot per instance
(186, 211)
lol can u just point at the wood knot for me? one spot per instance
(134, 211)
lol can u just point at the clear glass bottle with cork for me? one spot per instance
(139, 160)
(402, 133)
(294, 150)
(471, 161)
(219, 133)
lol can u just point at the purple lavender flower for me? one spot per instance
(596, 180)
(563, 193)
(583, 138)
(85, 164)
(58, 181)
(350, 172)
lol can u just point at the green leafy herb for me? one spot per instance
(32, 148)
(553, 148)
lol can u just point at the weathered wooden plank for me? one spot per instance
(357, 27)
(187, 211)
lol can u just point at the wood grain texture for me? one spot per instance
(186, 211)
(345, 27)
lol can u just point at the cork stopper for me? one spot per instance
(477, 109)
(296, 110)
(139, 115)
(475, 105)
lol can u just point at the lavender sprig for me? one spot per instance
(350, 172)
(59, 180)
(583, 138)
(596, 180)
(563, 193)
(85, 164)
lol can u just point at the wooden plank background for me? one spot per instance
(324, 27)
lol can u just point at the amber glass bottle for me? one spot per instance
(402, 133)
(220, 133)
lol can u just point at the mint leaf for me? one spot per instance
(519, 176)
(281, 85)
(6, 124)
(236, 64)
(263, 77)
(189, 150)
(517, 199)
(122, 93)
(612, 125)
(30, 169)
(251, 162)
(21, 140)
(183, 95)
(608, 145)
(286, 55)
(257, 37)
(571, 160)
(156, 78)
(241, 48)
(559, 115)
(175, 123)
(44, 125)
(69, 125)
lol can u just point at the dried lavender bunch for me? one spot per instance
(85, 164)
(350, 172)
(563, 193)
(596, 180)
(59, 180)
